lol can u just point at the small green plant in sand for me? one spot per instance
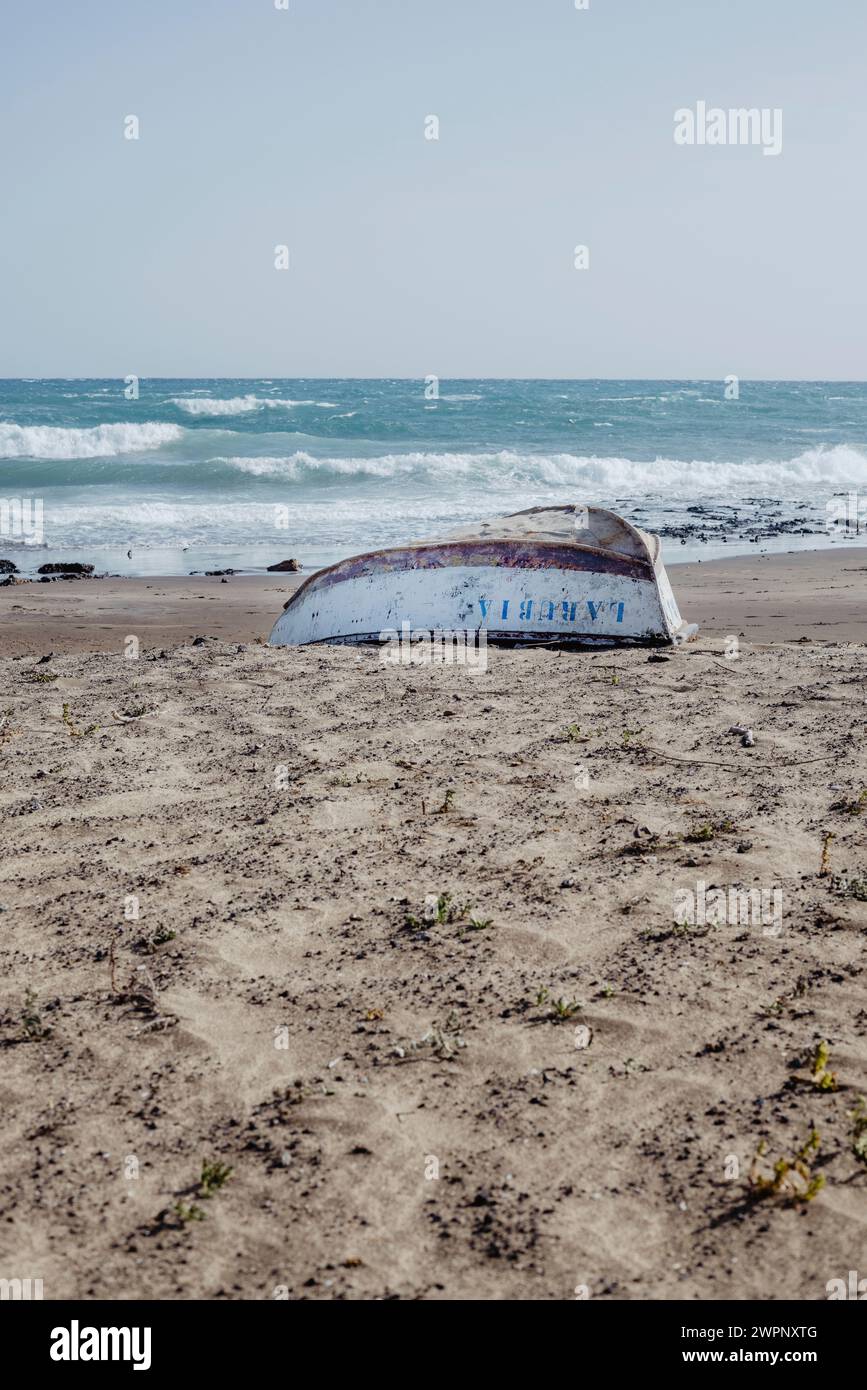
(214, 1176)
(44, 677)
(186, 1213)
(73, 731)
(786, 1001)
(479, 923)
(443, 1041)
(561, 1009)
(792, 1179)
(823, 1079)
(709, 831)
(296, 1094)
(448, 800)
(445, 910)
(704, 832)
(441, 910)
(437, 910)
(161, 936)
(775, 1008)
(31, 1019)
(627, 736)
(342, 779)
(542, 997)
(850, 886)
(573, 734)
(859, 1130)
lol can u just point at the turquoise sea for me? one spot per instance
(198, 474)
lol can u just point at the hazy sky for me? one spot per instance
(409, 256)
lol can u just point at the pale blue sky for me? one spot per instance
(409, 256)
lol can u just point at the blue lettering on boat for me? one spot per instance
(550, 610)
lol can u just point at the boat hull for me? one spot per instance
(524, 594)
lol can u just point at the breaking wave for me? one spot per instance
(838, 466)
(101, 441)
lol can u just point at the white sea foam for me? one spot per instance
(239, 405)
(205, 405)
(101, 441)
(819, 468)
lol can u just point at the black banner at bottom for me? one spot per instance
(81, 1339)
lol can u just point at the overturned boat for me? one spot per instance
(564, 576)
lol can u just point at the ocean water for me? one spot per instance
(199, 474)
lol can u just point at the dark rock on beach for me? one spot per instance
(723, 522)
(7, 567)
(284, 565)
(74, 567)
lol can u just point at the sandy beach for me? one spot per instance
(216, 954)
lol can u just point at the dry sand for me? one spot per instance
(281, 814)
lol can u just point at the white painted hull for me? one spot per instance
(509, 604)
